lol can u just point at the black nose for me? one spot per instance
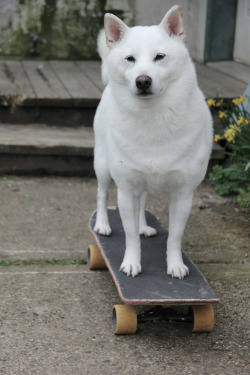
(143, 82)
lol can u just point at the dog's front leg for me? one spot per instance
(102, 223)
(179, 211)
(144, 229)
(129, 206)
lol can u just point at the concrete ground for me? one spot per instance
(56, 319)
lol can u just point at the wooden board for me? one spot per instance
(233, 69)
(153, 285)
(92, 69)
(44, 80)
(214, 83)
(76, 82)
(60, 81)
(14, 80)
(73, 83)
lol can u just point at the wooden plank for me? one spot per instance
(209, 89)
(233, 69)
(76, 82)
(92, 69)
(21, 80)
(8, 86)
(214, 83)
(44, 80)
(59, 80)
(46, 71)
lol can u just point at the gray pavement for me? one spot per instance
(56, 319)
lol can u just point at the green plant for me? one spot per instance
(32, 262)
(229, 180)
(235, 178)
(244, 199)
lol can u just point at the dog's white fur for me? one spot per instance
(155, 139)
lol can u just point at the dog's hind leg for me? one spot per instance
(103, 177)
(144, 229)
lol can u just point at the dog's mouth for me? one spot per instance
(144, 93)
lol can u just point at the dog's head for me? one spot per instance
(145, 59)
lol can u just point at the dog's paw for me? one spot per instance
(147, 231)
(178, 270)
(130, 269)
(103, 229)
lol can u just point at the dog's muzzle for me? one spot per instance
(143, 84)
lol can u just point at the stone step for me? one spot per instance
(38, 149)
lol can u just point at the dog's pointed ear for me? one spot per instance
(173, 23)
(115, 29)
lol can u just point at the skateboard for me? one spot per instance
(153, 286)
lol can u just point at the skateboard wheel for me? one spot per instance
(95, 258)
(124, 319)
(203, 318)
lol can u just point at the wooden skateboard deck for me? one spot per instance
(153, 286)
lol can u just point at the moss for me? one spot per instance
(51, 262)
(47, 20)
(47, 30)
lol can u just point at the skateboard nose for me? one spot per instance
(143, 82)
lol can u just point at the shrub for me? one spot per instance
(235, 178)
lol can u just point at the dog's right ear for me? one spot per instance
(115, 29)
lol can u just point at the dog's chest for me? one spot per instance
(148, 166)
(149, 152)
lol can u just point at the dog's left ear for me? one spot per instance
(173, 23)
(115, 29)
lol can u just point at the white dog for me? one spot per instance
(153, 131)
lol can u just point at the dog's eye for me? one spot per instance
(130, 59)
(159, 56)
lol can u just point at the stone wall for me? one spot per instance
(67, 29)
(63, 29)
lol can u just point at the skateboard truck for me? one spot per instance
(125, 318)
(165, 314)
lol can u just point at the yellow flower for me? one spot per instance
(240, 121)
(211, 102)
(239, 100)
(222, 114)
(217, 138)
(236, 101)
(234, 127)
(229, 138)
(242, 99)
(218, 104)
(230, 134)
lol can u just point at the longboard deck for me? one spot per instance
(153, 285)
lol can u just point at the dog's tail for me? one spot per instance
(103, 51)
